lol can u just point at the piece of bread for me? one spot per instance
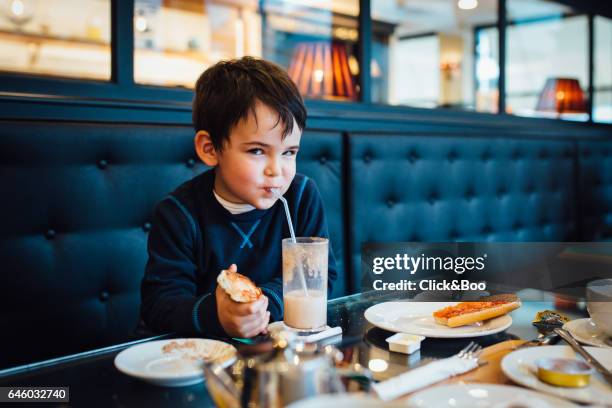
(238, 287)
(465, 313)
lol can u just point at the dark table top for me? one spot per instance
(94, 380)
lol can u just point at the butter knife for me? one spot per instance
(565, 335)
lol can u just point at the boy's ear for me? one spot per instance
(204, 148)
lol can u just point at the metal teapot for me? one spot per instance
(291, 371)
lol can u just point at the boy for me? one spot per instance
(249, 117)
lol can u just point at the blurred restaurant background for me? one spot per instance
(531, 58)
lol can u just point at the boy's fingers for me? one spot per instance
(244, 309)
(265, 323)
(233, 268)
(255, 322)
(259, 305)
(251, 318)
(248, 330)
(257, 326)
(267, 320)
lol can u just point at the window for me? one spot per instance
(66, 38)
(602, 84)
(435, 54)
(487, 69)
(176, 40)
(547, 60)
(316, 42)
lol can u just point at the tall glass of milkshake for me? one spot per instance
(305, 283)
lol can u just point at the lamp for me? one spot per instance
(562, 95)
(321, 70)
(20, 12)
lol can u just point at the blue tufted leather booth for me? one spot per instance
(460, 189)
(595, 189)
(77, 201)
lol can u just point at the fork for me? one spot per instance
(470, 352)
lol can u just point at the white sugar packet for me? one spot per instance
(423, 376)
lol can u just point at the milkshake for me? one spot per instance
(305, 312)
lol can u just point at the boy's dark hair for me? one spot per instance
(226, 93)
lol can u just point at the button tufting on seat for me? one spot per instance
(367, 158)
(146, 227)
(543, 154)
(323, 159)
(390, 202)
(453, 234)
(413, 156)
(50, 234)
(102, 164)
(190, 162)
(433, 197)
(516, 155)
(469, 195)
(486, 229)
(485, 156)
(104, 295)
(451, 156)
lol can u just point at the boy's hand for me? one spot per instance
(242, 319)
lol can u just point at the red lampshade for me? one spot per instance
(321, 70)
(562, 95)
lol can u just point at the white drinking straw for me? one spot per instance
(292, 232)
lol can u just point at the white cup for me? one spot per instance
(599, 304)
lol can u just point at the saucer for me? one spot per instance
(306, 336)
(586, 332)
(520, 367)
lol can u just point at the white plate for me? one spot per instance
(160, 363)
(484, 396)
(356, 400)
(586, 332)
(519, 367)
(417, 318)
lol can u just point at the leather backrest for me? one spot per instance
(448, 188)
(320, 158)
(77, 205)
(595, 188)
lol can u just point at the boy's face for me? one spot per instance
(256, 159)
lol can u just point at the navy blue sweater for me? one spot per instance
(194, 237)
